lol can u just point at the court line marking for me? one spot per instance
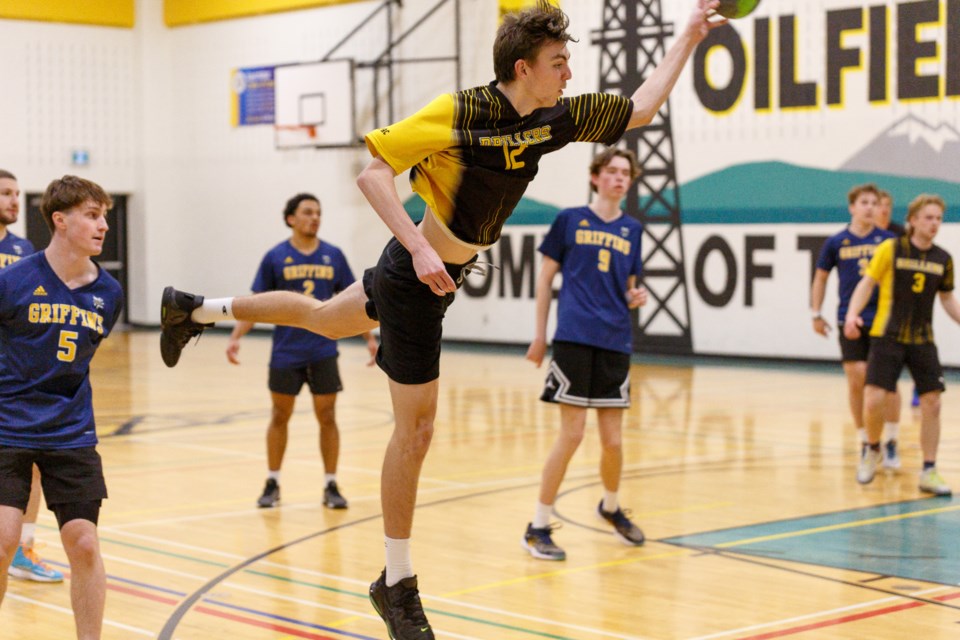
(826, 612)
(69, 612)
(832, 527)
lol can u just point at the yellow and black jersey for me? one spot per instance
(471, 155)
(909, 280)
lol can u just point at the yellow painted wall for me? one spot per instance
(509, 6)
(180, 12)
(109, 13)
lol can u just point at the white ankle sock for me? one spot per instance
(213, 310)
(862, 432)
(27, 533)
(275, 475)
(399, 564)
(610, 502)
(541, 517)
(328, 478)
(891, 431)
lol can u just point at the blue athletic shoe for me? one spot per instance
(915, 402)
(28, 565)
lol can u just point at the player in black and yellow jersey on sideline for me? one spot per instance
(911, 271)
(470, 155)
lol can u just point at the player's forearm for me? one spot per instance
(950, 305)
(651, 95)
(376, 182)
(861, 295)
(242, 328)
(818, 290)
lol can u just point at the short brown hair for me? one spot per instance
(920, 202)
(854, 193)
(7, 175)
(68, 192)
(521, 36)
(606, 156)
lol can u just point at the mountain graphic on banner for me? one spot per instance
(911, 147)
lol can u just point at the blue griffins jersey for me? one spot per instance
(851, 254)
(319, 275)
(14, 248)
(48, 335)
(596, 258)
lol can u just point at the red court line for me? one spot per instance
(263, 625)
(851, 618)
(221, 614)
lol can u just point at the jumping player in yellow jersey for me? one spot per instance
(911, 271)
(470, 155)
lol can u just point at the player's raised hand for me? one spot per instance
(704, 18)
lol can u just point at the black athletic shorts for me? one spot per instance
(410, 315)
(887, 358)
(322, 376)
(855, 350)
(587, 376)
(68, 476)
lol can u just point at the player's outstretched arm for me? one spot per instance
(651, 95)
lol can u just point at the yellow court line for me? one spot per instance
(562, 572)
(835, 527)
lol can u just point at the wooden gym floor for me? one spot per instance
(742, 477)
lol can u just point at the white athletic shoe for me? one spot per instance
(868, 465)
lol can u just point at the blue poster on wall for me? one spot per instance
(252, 96)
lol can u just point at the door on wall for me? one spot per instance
(114, 256)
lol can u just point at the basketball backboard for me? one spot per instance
(314, 105)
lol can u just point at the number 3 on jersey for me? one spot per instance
(67, 346)
(919, 280)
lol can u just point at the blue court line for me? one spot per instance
(914, 539)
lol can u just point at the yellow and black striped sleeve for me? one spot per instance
(881, 270)
(407, 142)
(947, 283)
(599, 117)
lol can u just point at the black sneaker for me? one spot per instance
(271, 494)
(400, 608)
(332, 498)
(540, 545)
(177, 327)
(628, 532)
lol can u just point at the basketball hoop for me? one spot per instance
(290, 136)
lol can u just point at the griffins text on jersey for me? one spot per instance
(66, 314)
